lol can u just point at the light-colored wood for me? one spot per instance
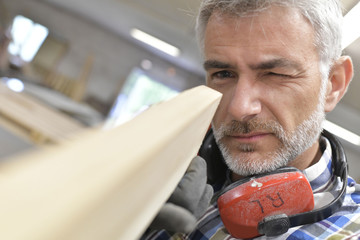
(80, 87)
(105, 184)
(43, 123)
(75, 88)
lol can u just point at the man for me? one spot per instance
(279, 67)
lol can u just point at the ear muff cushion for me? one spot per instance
(243, 204)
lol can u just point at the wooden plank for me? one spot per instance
(36, 117)
(105, 184)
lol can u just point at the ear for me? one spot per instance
(339, 79)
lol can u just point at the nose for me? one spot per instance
(245, 101)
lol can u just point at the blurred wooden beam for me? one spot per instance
(105, 184)
(39, 122)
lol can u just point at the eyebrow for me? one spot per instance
(271, 64)
(213, 64)
(277, 63)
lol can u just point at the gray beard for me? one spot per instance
(292, 143)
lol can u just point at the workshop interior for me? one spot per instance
(71, 65)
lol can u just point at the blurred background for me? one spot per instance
(69, 65)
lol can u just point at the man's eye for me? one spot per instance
(278, 74)
(222, 75)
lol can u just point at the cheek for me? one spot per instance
(221, 112)
(297, 107)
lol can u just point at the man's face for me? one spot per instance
(267, 68)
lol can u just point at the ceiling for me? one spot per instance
(173, 21)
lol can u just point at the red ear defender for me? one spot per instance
(261, 204)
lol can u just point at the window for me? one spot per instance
(139, 93)
(27, 38)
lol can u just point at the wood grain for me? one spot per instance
(105, 184)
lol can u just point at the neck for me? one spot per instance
(307, 158)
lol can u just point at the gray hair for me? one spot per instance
(325, 16)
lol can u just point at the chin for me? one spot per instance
(247, 164)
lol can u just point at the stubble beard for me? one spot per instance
(291, 143)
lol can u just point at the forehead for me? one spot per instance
(277, 28)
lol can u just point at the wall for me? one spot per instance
(114, 57)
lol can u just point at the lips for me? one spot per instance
(249, 138)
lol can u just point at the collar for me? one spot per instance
(320, 175)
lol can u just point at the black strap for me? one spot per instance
(216, 167)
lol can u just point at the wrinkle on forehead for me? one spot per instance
(259, 21)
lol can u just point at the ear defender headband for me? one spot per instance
(269, 204)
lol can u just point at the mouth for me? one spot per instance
(250, 137)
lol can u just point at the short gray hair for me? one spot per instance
(325, 17)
